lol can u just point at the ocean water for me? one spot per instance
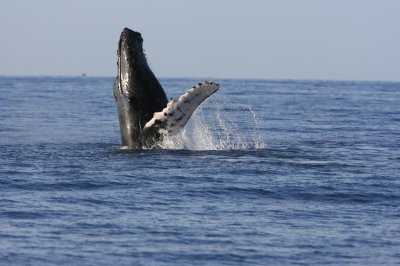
(267, 172)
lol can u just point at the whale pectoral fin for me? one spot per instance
(174, 117)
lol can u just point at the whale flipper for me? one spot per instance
(174, 116)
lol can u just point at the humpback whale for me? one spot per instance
(145, 115)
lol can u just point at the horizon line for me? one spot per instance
(84, 75)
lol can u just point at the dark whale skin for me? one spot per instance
(137, 91)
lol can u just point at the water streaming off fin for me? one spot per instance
(218, 124)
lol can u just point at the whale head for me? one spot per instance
(130, 57)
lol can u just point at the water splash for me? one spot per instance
(215, 126)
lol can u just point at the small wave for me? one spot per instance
(23, 214)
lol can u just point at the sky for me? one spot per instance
(256, 39)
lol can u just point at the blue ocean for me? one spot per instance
(267, 172)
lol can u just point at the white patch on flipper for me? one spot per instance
(174, 117)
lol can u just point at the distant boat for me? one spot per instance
(83, 75)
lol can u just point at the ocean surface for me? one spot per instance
(267, 172)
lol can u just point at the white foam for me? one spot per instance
(221, 125)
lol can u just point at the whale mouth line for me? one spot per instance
(119, 65)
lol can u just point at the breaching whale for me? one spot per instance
(145, 115)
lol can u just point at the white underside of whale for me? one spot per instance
(173, 118)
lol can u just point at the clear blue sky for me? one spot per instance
(282, 39)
